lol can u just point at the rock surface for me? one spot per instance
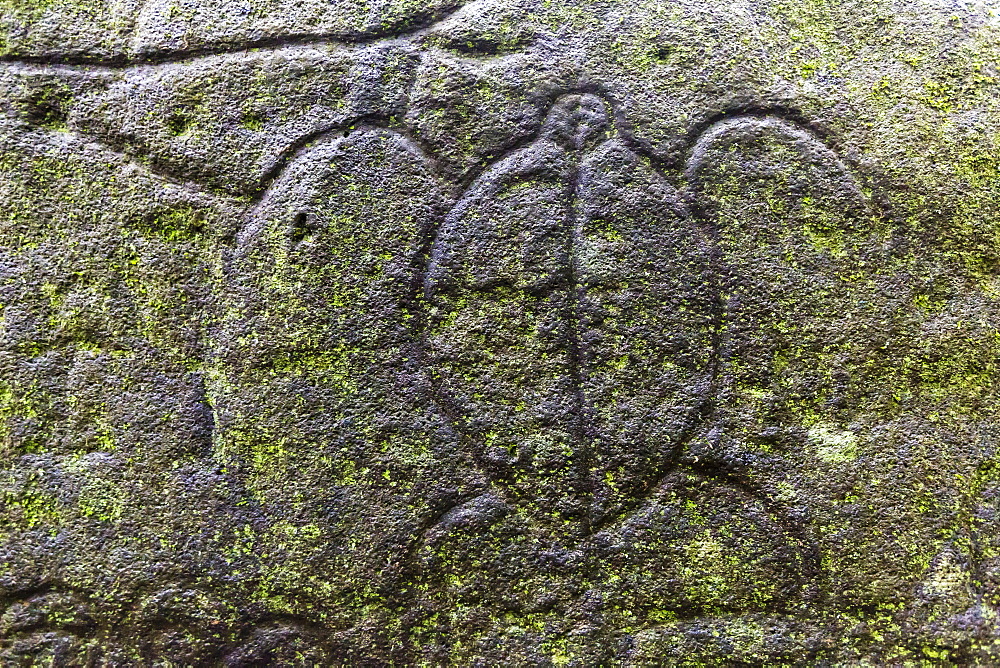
(532, 332)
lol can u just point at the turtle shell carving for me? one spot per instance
(570, 329)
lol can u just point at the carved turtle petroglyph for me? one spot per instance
(571, 318)
(586, 325)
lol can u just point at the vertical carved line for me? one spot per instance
(581, 430)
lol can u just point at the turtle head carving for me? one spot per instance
(577, 121)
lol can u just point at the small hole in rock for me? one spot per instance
(179, 123)
(303, 228)
(665, 52)
(47, 107)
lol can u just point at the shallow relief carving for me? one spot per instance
(230, 116)
(563, 358)
(569, 328)
(578, 339)
(544, 284)
(584, 309)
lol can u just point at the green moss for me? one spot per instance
(833, 446)
(30, 508)
(102, 501)
(26, 8)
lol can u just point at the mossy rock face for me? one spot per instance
(489, 332)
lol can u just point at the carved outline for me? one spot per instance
(257, 191)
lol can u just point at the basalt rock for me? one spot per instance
(499, 333)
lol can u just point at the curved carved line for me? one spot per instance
(350, 128)
(793, 129)
(697, 151)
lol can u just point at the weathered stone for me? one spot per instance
(491, 332)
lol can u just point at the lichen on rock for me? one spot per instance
(485, 333)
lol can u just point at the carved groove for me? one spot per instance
(421, 25)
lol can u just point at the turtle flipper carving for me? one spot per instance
(797, 254)
(320, 396)
(570, 332)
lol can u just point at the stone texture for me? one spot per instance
(489, 332)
